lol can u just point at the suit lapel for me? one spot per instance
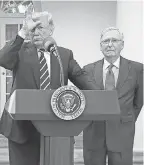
(123, 72)
(55, 72)
(98, 73)
(32, 52)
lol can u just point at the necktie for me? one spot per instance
(110, 79)
(44, 73)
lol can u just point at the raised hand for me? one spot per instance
(29, 24)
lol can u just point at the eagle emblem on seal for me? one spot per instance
(68, 102)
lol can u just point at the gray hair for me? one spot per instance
(109, 29)
(46, 19)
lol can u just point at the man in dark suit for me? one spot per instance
(114, 138)
(25, 60)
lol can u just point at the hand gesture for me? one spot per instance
(29, 24)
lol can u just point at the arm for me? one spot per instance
(9, 53)
(138, 98)
(80, 77)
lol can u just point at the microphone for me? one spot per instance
(51, 46)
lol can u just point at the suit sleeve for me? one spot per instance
(138, 99)
(78, 76)
(9, 53)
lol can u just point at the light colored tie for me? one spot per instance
(110, 79)
(44, 73)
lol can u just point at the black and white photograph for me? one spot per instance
(71, 82)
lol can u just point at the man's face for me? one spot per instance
(111, 44)
(39, 34)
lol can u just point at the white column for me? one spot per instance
(129, 21)
(2, 70)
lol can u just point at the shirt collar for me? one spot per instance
(116, 63)
(41, 50)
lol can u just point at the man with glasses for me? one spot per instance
(114, 138)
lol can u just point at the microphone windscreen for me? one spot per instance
(48, 43)
(50, 47)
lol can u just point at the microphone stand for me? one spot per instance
(54, 49)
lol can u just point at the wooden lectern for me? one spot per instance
(56, 134)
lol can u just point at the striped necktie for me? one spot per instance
(110, 79)
(44, 73)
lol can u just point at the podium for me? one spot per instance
(57, 134)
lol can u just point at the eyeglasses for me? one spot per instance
(107, 41)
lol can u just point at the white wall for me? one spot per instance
(78, 27)
(129, 20)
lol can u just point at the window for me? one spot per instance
(14, 6)
(11, 32)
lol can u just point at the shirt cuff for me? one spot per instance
(22, 34)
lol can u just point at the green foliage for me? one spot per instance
(14, 6)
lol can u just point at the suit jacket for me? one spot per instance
(119, 134)
(22, 59)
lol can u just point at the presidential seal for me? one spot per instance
(68, 102)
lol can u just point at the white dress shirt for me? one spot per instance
(115, 70)
(47, 57)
